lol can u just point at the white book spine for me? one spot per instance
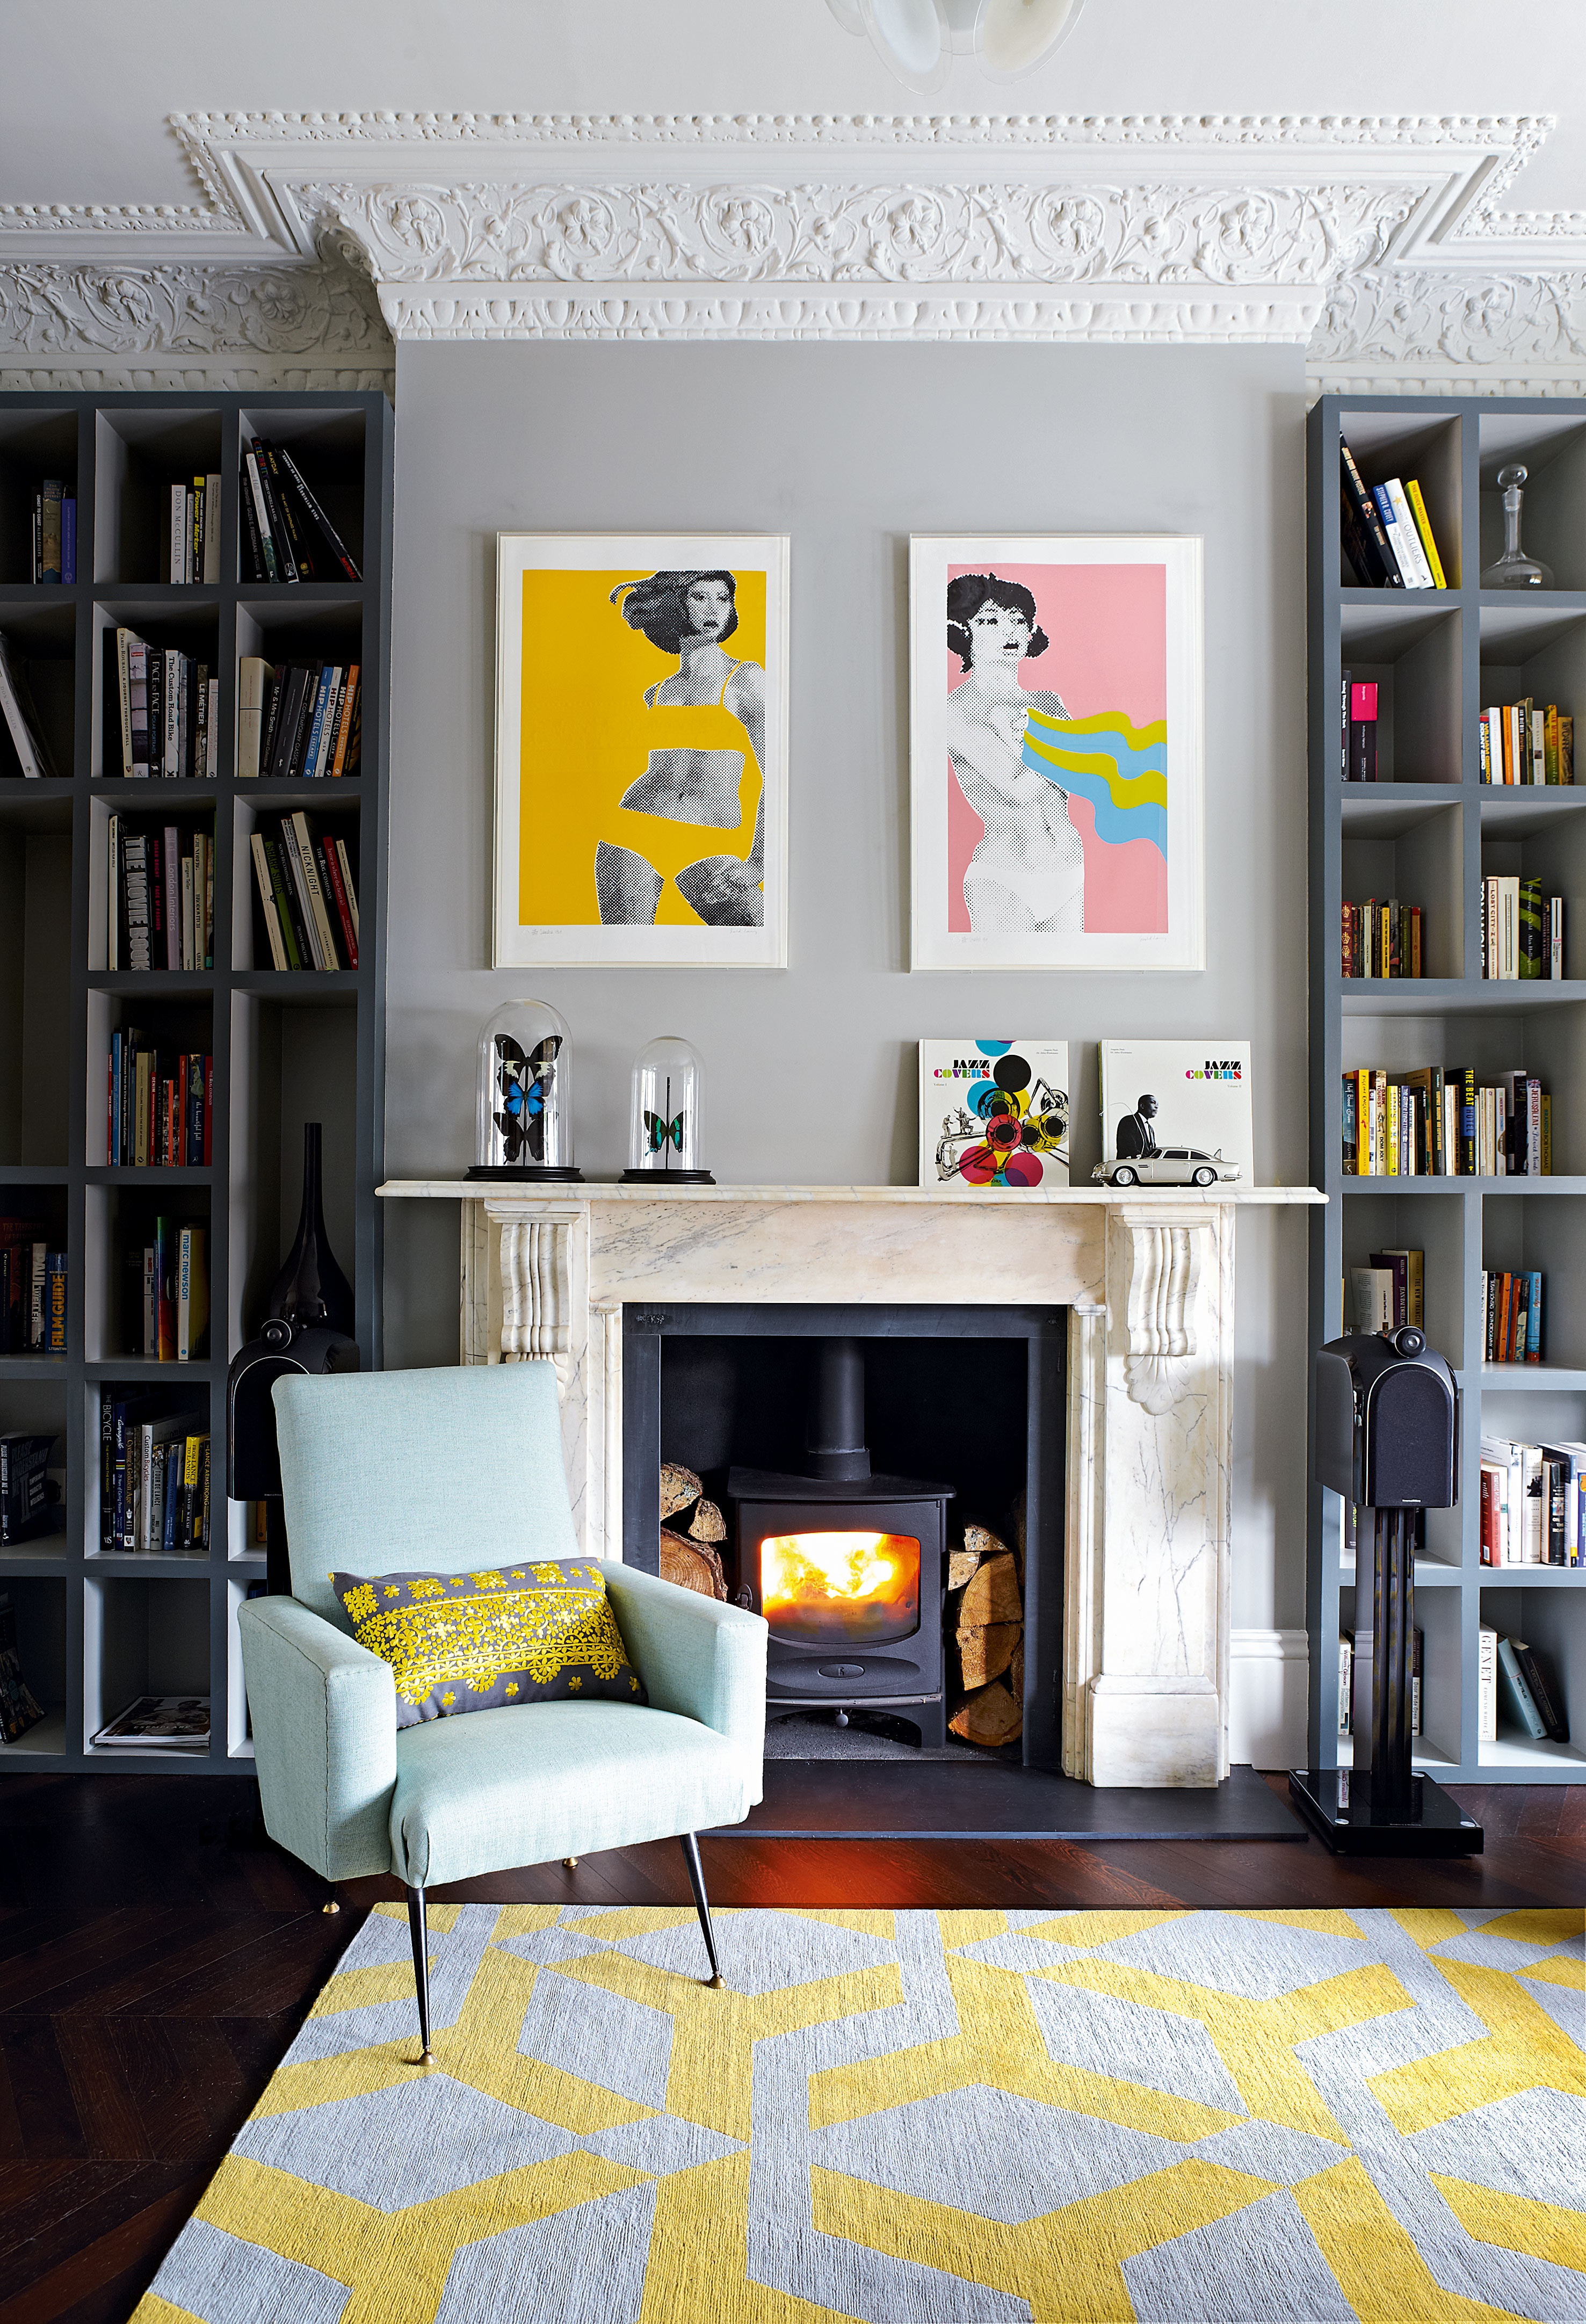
(1487, 1686)
(177, 547)
(317, 901)
(1406, 540)
(1538, 748)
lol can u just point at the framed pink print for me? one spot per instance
(1056, 752)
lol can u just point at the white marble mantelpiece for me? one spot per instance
(1147, 1279)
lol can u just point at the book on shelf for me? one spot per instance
(1365, 538)
(1423, 524)
(1346, 1646)
(1531, 1699)
(159, 1104)
(152, 1306)
(1511, 1318)
(1522, 931)
(19, 1707)
(20, 1239)
(1389, 1291)
(54, 533)
(1514, 1696)
(308, 895)
(192, 543)
(1383, 938)
(160, 895)
(1486, 1684)
(1532, 1508)
(22, 736)
(287, 535)
(1439, 1122)
(133, 1428)
(1359, 1694)
(162, 711)
(1526, 742)
(30, 1500)
(1403, 539)
(301, 719)
(1359, 763)
(158, 1722)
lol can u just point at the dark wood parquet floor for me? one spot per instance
(157, 1955)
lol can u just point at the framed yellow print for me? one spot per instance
(642, 750)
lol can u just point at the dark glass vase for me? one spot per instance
(311, 1289)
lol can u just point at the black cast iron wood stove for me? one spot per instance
(845, 1566)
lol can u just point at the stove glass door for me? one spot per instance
(835, 1589)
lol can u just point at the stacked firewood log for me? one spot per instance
(985, 1637)
(691, 1526)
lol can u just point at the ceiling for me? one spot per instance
(92, 169)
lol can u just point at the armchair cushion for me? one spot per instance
(557, 1779)
(497, 1639)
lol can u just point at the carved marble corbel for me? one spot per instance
(1164, 1265)
(535, 1286)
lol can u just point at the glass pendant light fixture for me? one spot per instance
(663, 1117)
(916, 40)
(524, 1123)
(1514, 569)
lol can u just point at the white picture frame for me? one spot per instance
(600, 803)
(1109, 872)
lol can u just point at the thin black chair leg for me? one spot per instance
(419, 1930)
(690, 1848)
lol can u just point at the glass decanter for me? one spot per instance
(1514, 569)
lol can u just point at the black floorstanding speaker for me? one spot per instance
(1387, 1439)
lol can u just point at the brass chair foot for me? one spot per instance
(714, 1983)
(332, 1907)
(570, 1863)
(428, 2059)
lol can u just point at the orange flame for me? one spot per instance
(840, 1585)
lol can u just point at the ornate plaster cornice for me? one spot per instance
(1412, 332)
(1207, 226)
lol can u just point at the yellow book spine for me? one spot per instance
(1424, 527)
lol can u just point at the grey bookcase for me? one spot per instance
(96, 1629)
(1426, 832)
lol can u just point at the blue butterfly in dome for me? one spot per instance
(661, 1130)
(525, 1081)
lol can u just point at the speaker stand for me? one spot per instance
(1387, 1810)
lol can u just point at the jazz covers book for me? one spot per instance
(993, 1116)
(1177, 1113)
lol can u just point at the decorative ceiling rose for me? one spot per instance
(916, 40)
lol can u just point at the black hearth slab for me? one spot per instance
(879, 1799)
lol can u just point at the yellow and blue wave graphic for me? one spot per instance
(1121, 769)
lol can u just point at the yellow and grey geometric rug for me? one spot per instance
(916, 2119)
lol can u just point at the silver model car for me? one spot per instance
(1175, 1166)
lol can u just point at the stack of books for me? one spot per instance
(162, 711)
(303, 719)
(160, 896)
(286, 534)
(1522, 931)
(32, 1291)
(159, 1105)
(153, 1475)
(1382, 939)
(193, 543)
(1390, 1291)
(54, 533)
(1387, 537)
(1439, 1122)
(305, 881)
(1511, 1673)
(1522, 742)
(1511, 1318)
(159, 1722)
(1531, 1502)
(168, 1294)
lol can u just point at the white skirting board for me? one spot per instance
(1267, 1673)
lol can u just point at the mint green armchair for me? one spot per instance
(446, 1471)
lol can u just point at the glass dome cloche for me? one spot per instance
(524, 1126)
(663, 1117)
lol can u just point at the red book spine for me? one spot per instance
(332, 871)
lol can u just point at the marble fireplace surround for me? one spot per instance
(1147, 1280)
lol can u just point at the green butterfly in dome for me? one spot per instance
(659, 1130)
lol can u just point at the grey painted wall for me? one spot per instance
(811, 1071)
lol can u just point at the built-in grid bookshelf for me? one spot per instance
(1428, 831)
(95, 1630)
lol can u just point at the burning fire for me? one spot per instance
(840, 1585)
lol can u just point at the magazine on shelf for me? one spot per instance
(18, 1708)
(159, 1722)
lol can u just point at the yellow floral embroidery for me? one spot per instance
(448, 1700)
(392, 1591)
(511, 1686)
(575, 1682)
(484, 1639)
(360, 1602)
(426, 1585)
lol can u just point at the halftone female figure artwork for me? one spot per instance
(642, 750)
(1055, 752)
